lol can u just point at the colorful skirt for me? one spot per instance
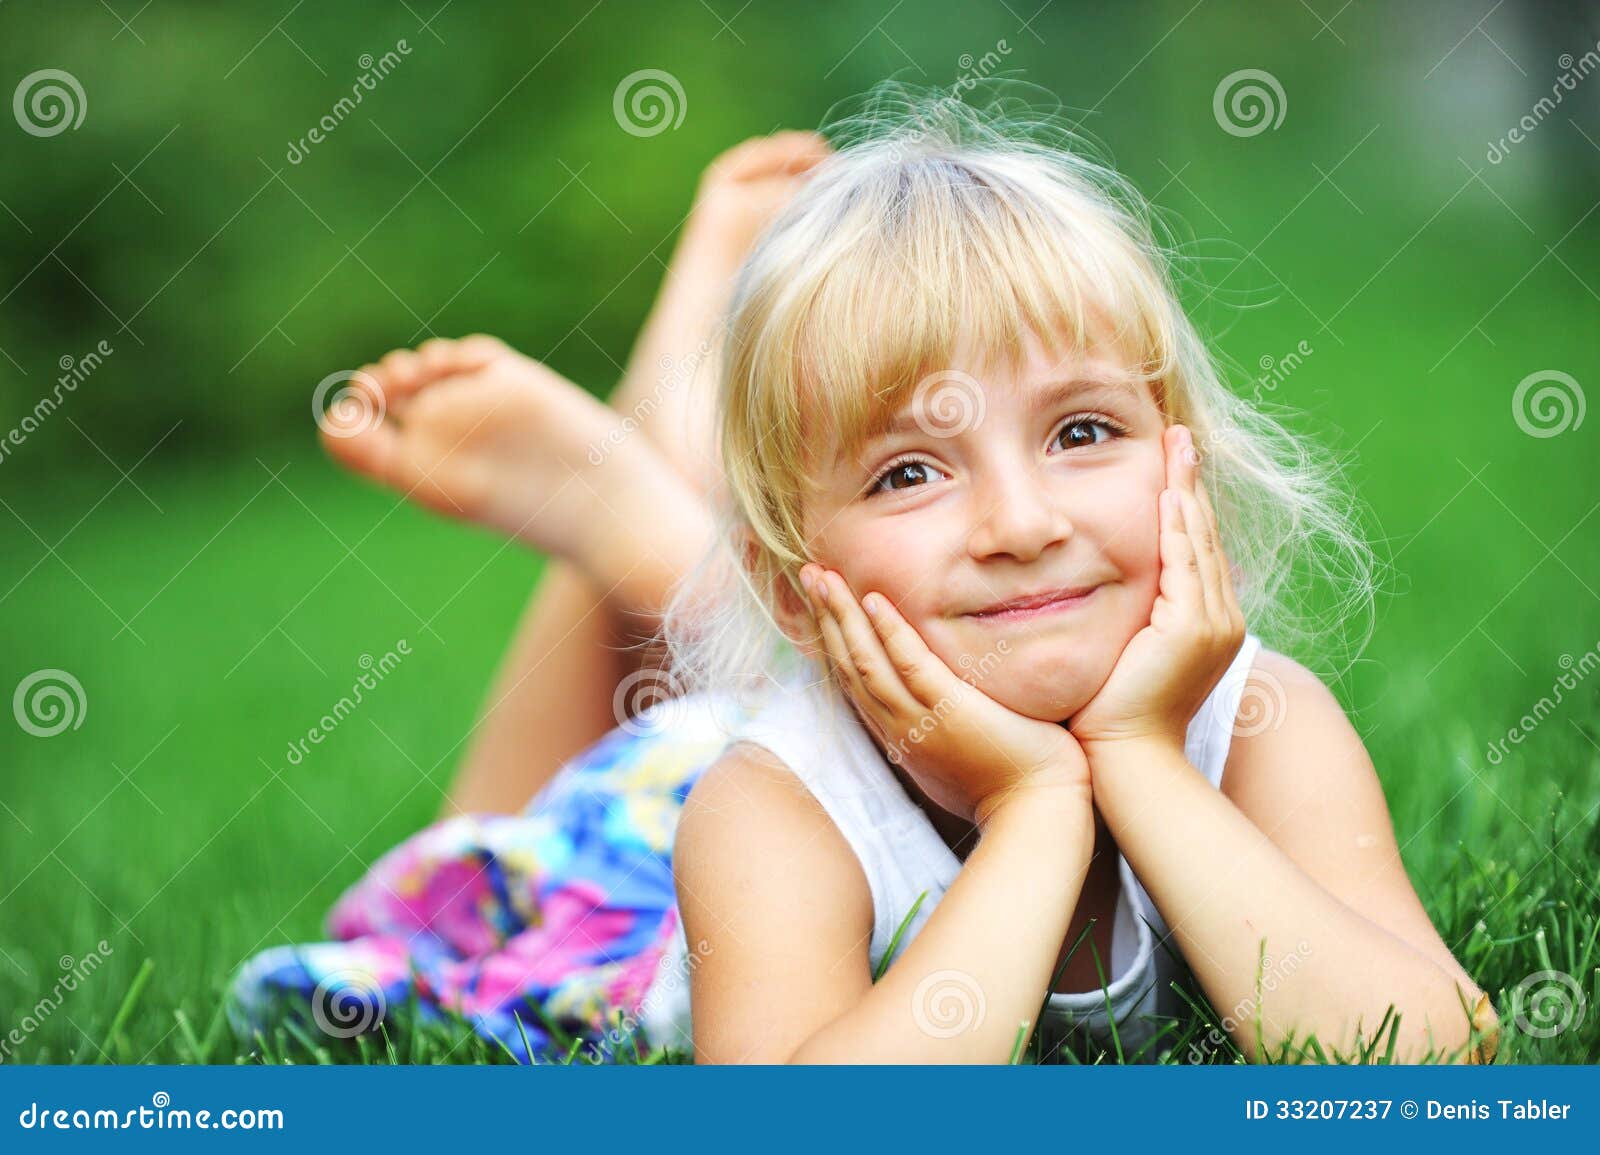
(539, 929)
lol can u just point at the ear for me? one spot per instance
(790, 608)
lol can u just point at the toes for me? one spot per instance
(398, 373)
(782, 153)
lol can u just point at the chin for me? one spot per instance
(1050, 694)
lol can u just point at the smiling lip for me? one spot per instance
(1049, 602)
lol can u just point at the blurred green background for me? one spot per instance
(175, 541)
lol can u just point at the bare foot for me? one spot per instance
(669, 389)
(475, 430)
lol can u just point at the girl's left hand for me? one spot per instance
(1195, 627)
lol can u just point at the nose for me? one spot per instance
(1016, 516)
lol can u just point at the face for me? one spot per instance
(1036, 482)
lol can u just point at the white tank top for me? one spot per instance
(811, 728)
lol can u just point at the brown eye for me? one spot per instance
(1084, 431)
(906, 475)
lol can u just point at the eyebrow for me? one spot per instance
(1047, 395)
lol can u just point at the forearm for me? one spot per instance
(1225, 889)
(977, 972)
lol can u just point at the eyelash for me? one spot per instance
(1115, 428)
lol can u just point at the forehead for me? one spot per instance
(1032, 377)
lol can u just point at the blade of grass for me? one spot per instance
(129, 1001)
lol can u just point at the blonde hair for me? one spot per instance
(937, 223)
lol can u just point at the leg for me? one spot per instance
(481, 433)
(554, 693)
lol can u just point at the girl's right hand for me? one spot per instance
(966, 751)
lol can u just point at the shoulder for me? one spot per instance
(1289, 723)
(777, 905)
(750, 817)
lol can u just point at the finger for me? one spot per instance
(1172, 454)
(1230, 595)
(866, 652)
(924, 673)
(1188, 463)
(1198, 531)
(1180, 571)
(834, 645)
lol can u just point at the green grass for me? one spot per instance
(173, 825)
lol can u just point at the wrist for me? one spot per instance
(1131, 747)
(1059, 805)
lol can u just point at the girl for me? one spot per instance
(963, 687)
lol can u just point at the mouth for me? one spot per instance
(1035, 605)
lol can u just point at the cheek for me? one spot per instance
(888, 559)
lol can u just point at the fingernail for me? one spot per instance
(870, 604)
